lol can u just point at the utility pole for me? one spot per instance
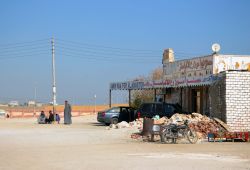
(53, 74)
(35, 101)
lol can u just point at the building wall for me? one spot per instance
(230, 99)
(217, 100)
(205, 100)
(174, 96)
(227, 99)
(238, 100)
(185, 99)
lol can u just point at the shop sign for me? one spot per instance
(194, 71)
(127, 85)
(230, 62)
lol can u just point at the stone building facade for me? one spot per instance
(230, 99)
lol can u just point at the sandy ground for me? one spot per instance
(87, 144)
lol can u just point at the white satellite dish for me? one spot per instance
(216, 47)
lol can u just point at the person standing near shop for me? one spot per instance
(67, 113)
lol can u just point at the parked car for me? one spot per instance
(158, 108)
(2, 113)
(116, 114)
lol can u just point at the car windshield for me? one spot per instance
(147, 107)
(114, 110)
(178, 106)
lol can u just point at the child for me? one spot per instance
(58, 118)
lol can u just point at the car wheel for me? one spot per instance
(114, 121)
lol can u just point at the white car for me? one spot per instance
(2, 113)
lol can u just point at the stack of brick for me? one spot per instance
(200, 123)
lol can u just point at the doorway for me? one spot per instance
(196, 100)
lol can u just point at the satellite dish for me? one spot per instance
(216, 47)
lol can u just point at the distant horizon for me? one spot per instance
(99, 42)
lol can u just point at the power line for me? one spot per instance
(105, 56)
(21, 43)
(22, 56)
(23, 49)
(74, 48)
(107, 47)
(84, 50)
(22, 52)
(94, 59)
(102, 47)
(63, 50)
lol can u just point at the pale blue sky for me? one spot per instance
(98, 42)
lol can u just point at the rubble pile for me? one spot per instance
(138, 123)
(200, 123)
(203, 128)
(163, 120)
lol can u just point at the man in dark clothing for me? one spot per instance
(51, 117)
(67, 113)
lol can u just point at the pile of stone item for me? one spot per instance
(137, 124)
(200, 123)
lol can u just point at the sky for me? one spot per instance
(99, 42)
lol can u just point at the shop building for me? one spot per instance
(216, 85)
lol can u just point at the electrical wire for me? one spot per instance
(103, 55)
(23, 56)
(73, 48)
(102, 46)
(22, 43)
(95, 59)
(85, 51)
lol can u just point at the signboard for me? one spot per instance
(191, 72)
(230, 62)
(135, 85)
(129, 85)
(196, 71)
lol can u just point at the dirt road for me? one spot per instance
(86, 144)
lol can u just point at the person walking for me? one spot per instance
(67, 113)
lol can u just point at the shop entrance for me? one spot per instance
(196, 100)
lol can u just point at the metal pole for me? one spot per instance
(35, 102)
(109, 98)
(53, 74)
(129, 97)
(95, 103)
(154, 95)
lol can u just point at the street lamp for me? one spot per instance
(95, 103)
(35, 102)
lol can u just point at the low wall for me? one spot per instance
(23, 112)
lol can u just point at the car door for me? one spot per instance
(168, 110)
(147, 110)
(131, 113)
(124, 114)
(159, 109)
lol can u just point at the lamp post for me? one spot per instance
(95, 103)
(35, 102)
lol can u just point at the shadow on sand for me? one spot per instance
(96, 124)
